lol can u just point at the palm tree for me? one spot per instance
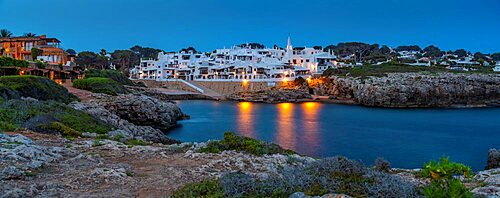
(29, 35)
(4, 33)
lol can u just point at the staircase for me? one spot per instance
(206, 91)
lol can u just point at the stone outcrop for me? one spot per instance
(272, 96)
(493, 159)
(125, 129)
(416, 90)
(490, 180)
(141, 110)
(19, 156)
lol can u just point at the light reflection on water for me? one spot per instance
(310, 120)
(405, 137)
(245, 119)
(285, 132)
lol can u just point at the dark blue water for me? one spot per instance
(405, 137)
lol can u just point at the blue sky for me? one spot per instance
(209, 24)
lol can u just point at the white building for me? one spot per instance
(237, 64)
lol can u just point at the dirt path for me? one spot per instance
(84, 95)
(110, 170)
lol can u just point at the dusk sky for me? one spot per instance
(208, 24)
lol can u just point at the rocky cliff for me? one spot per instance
(141, 109)
(416, 90)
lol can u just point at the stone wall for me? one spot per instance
(167, 85)
(228, 88)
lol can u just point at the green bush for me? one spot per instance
(100, 85)
(111, 74)
(211, 188)
(11, 62)
(136, 142)
(244, 144)
(443, 181)
(36, 115)
(330, 175)
(61, 128)
(14, 87)
(384, 69)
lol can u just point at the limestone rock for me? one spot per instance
(141, 110)
(491, 179)
(18, 154)
(493, 159)
(124, 127)
(417, 90)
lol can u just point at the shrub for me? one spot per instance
(34, 114)
(443, 181)
(244, 144)
(14, 87)
(11, 62)
(100, 85)
(136, 142)
(450, 188)
(211, 188)
(444, 169)
(382, 165)
(61, 128)
(330, 175)
(111, 74)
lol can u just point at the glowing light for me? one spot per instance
(285, 106)
(310, 105)
(245, 105)
(285, 80)
(245, 82)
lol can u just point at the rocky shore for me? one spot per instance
(133, 116)
(408, 90)
(39, 165)
(395, 90)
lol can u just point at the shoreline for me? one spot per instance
(347, 102)
(74, 167)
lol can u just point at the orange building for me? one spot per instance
(20, 48)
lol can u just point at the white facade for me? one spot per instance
(237, 63)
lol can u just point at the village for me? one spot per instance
(250, 62)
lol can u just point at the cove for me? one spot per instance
(405, 137)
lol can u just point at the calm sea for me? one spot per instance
(405, 137)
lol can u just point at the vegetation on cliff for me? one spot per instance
(244, 144)
(111, 74)
(15, 87)
(11, 62)
(444, 182)
(329, 175)
(109, 82)
(47, 117)
(100, 85)
(384, 69)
